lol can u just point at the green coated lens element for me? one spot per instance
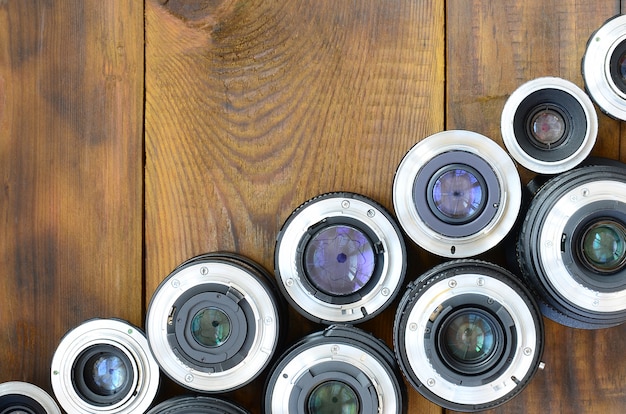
(333, 397)
(210, 327)
(604, 246)
(470, 338)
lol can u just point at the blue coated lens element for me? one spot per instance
(339, 260)
(333, 397)
(109, 374)
(458, 194)
(211, 327)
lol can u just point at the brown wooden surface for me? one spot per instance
(251, 108)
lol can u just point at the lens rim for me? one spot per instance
(597, 67)
(235, 284)
(340, 352)
(577, 111)
(29, 395)
(371, 219)
(197, 404)
(126, 339)
(411, 201)
(464, 284)
(571, 294)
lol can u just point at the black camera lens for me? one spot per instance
(104, 366)
(340, 257)
(195, 405)
(456, 193)
(549, 125)
(572, 246)
(342, 369)
(18, 397)
(468, 335)
(214, 323)
(604, 67)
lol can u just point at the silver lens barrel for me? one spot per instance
(22, 397)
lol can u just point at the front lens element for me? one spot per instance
(604, 246)
(210, 327)
(333, 397)
(106, 374)
(458, 194)
(339, 260)
(547, 127)
(469, 338)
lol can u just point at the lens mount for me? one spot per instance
(213, 324)
(340, 368)
(572, 246)
(340, 258)
(468, 335)
(604, 67)
(104, 366)
(549, 125)
(456, 193)
(195, 405)
(22, 397)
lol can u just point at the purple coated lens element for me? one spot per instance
(458, 194)
(339, 260)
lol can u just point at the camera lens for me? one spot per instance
(604, 67)
(104, 366)
(18, 397)
(213, 324)
(340, 257)
(342, 369)
(195, 405)
(456, 193)
(572, 246)
(549, 125)
(468, 335)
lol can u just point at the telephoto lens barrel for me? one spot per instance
(549, 125)
(17, 397)
(571, 248)
(215, 322)
(456, 193)
(468, 335)
(104, 366)
(195, 405)
(340, 258)
(342, 369)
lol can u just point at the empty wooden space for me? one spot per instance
(134, 136)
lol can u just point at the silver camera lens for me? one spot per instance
(213, 324)
(104, 366)
(604, 67)
(195, 405)
(340, 258)
(572, 246)
(456, 193)
(18, 397)
(468, 335)
(549, 125)
(339, 370)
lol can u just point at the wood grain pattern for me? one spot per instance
(71, 89)
(255, 107)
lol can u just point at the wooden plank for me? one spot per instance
(71, 111)
(255, 107)
(492, 48)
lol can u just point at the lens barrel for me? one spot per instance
(572, 246)
(18, 397)
(604, 67)
(195, 405)
(468, 335)
(549, 125)
(214, 323)
(104, 366)
(340, 258)
(342, 369)
(456, 193)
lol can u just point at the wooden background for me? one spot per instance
(134, 136)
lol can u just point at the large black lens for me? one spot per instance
(468, 335)
(572, 246)
(339, 370)
(214, 322)
(195, 405)
(340, 258)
